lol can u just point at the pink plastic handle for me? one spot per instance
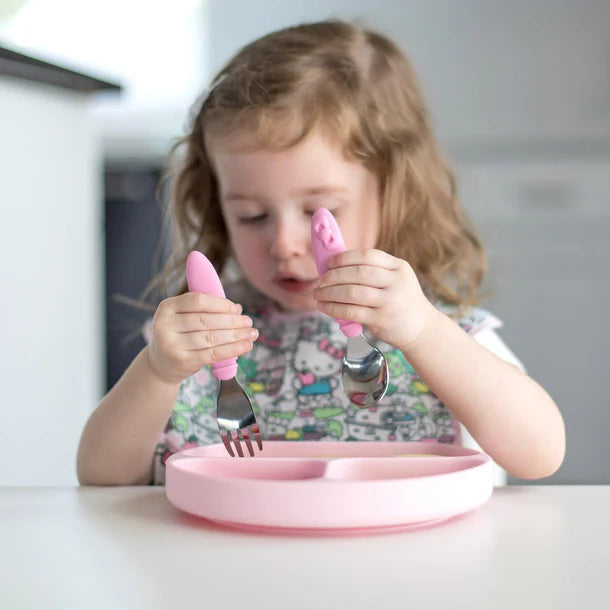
(202, 277)
(326, 240)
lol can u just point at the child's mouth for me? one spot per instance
(295, 285)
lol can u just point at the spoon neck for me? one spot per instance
(350, 329)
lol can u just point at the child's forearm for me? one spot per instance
(513, 419)
(117, 445)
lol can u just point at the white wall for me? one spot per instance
(51, 328)
(511, 69)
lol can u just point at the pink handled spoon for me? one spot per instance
(364, 368)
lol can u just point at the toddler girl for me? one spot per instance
(321, 115)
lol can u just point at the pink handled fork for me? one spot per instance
(234, 413)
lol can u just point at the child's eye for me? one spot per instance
(251, 220)
(312, 212)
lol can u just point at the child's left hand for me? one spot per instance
(378, 290)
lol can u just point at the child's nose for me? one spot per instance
(290, 239)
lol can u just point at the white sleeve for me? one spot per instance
(489, 338)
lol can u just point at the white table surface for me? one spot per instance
(87, 548)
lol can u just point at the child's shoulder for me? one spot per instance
(471, 319)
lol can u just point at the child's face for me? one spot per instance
(268, 198)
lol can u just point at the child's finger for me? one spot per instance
(353, 294)
(367, 275)
(368, 256)
(212, 339)
(192, 302)
(349, 311)
(189, 322)
(222, 352)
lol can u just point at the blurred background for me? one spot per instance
(93, 94)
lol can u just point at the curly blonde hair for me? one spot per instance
(357, 85)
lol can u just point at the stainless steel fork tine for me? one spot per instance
(246, 434)
(237, 444)
(257, 435)
(227, 443)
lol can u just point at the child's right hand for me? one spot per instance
(194, 329)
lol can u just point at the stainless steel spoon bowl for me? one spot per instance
(364, 372)
(364, 368)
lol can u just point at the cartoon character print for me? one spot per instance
(193, 419)
(317, 367)
(279, 415)
(370, 424)
(311, 404)
(263, 370)
(408, 412)
(293, 377)
(265, 375)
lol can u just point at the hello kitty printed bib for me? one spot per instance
(293, 378)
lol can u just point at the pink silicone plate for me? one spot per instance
(330, 487)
